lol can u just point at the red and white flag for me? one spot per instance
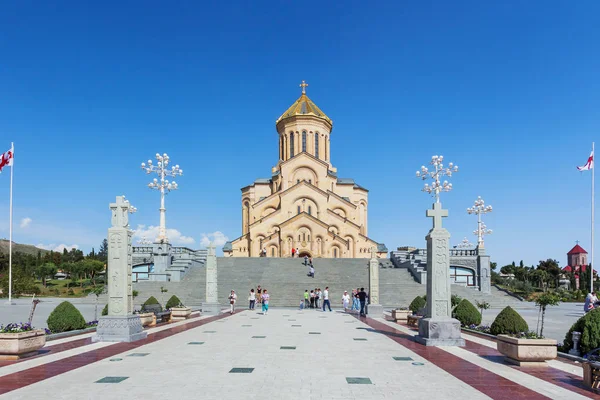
(589, 164)
(7, 158)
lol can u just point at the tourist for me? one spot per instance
(258, 294)
(306, 298)
(293, 252)
(297, 252)
(232, 298)
(319, 297)
(312, 299)
(302, 304)
(590, 300)
(251, 299)
(345, 300)
(312, 272)
(310, 261)
(326, 299)
(265, 302)
(355, 303)
(362, 298)
(305, 260)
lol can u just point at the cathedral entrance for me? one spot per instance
(304, 253)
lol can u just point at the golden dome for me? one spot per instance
(304, 106)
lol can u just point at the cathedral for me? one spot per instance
(304, 205)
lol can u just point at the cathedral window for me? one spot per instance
(298, 211)
(317, 144)
(309, 210)
(309, 238)
(299, 238)
(282, 153)
(325, 148)
(335, 252)
(291, 144)
(272, 251)
(304, 141)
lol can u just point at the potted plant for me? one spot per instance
(179, 312)
(146, 319)
(518, 345)
(20, 340)
(400, 314)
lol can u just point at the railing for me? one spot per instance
(463, 253)
(141, 249)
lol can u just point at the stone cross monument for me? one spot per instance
(120, 325)
(375, 310)
(438, 328)
(211, 306)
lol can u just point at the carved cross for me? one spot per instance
(373, 252)
(303, 85)
(437, 213)
(211, 249)
(120, 209)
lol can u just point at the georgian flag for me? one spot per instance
(589, 164)
(7, 158)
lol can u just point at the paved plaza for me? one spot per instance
(287, 354)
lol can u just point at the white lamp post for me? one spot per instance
(163, 185)
(435, 175)
(143, 241)
(479, 208)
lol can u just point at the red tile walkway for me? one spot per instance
(489, 383)
(33, 375)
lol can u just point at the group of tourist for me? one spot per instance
(261, 296)
(313, 300)
(591, 302)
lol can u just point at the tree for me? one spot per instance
(103, 252)
(552, 268)
(43, 271)
(91, 268)
(508, 269)
(493, 266)
(543, 301)
(521, 264)
(482, 305)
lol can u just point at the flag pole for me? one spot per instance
(592, 269)
(10, 223)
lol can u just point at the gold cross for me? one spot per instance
(303, 85)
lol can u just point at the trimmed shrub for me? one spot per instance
(151, 300)
(418, 303)
(508, 322)
(65, 317)
(173, 302)
(589, 326)
(466, 313)
(105, 310)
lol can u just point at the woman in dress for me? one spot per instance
(346, 300)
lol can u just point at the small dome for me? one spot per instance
(304, 106)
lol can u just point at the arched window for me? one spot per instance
(304, 141)
(298, 213)
(335, 252)
(282, 153)
(272, 251)
(299, 238)
(309, 238)
(304, 236)
(325, 147)
(309, 210)
(317, 144)
(291, 144)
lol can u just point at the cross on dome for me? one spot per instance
(303, 85)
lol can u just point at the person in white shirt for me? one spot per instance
(326, 299)
(251, 299)
(346, 300)
(232, 299)
(590, 300)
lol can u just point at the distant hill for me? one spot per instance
(20, 248)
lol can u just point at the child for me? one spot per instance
(302, 304)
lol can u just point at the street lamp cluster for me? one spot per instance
(465, 244)
(479, 208)
(439, 170)
(163, 186)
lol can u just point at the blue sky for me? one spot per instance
(508, 91)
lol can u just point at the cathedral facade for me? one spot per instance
(304, 205)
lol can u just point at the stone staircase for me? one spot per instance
(286, 280)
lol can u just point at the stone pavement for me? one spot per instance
(287, 354)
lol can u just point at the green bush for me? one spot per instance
(65, 317)
(418, 303)
(466, 313)
(508, 322)
(151, 300)
(589, 326)
(105, 310)
(173, 302)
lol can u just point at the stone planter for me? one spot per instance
(147, 318)
(526, 352)
(180, 313)
(14, 346)
(400, 315)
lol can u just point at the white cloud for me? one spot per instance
(25, 222)
(55, 247)
(218, 238)
(151, 233)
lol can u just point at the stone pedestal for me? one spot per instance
(161, 254)
(374, 309)
(484, 271)
(211, 306)
(113, 328)
(120, 325)
(438, 328)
